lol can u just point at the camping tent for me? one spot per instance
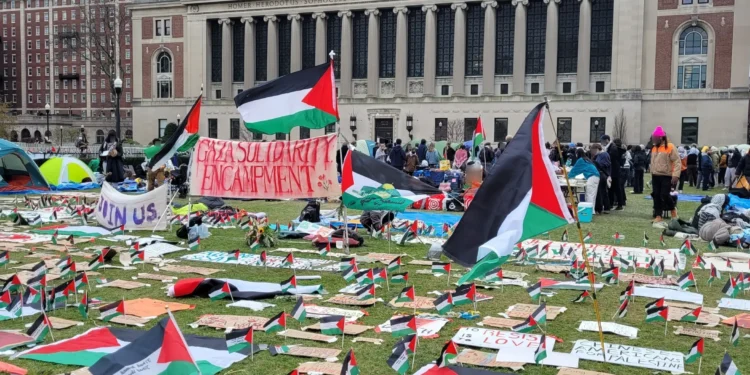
(18, 173)
(66, 169)
(366, 146)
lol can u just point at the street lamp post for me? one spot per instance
(118, 91)
(61, 136)
(46, 109)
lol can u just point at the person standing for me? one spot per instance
(713, 152)
(411, 161)
(723, 166)
(450, 153)
(380, 154)
(665, 173)
(422, 150)
(707, 168)
(461, 156)
(111, 155)
(432, 156)
(692, 165)
(732, 163)
(603, 166)
(586, 167)
(640, 161)
(397, 156)
(615, 158)
(683, 167)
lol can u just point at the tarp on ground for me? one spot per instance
(64, 230)
(435, 219)
(196, 207)
(18, 173)
(66, 169)
(84, 349)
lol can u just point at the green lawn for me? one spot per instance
(631, 222)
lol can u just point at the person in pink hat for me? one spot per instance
(665, 173)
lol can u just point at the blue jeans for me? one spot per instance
(706, 174)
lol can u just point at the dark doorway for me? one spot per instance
(384, 129)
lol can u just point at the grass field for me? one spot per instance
(632, 222)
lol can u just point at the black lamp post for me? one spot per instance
(353, 125)
(118, 91)
(410, 126)
(61, 136)
(46, 109)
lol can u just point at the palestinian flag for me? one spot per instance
(255, 246)
(368, 292)
(712, 246)
(441, 268)
(365, 277)
(31, 296)
(305, 98)
(734, 338)
(349, 366)
(96, 263)
(81, 279)
(68, 270)
(645, 239)
(406, 295)
(4, 258)
(194, 242)
(39, 269)
(112, 310)
(740, 281)
(263, 257)
(729, 264)
(655, 303)
(611, 275)
(279, 349)
(299, 313)
(540, 314)
(464, 294)
(692, 316)
(494, 275)
(183, 139)
(728, 367)
(326, 249)
(83, 306)
(661, 240)
(12, 284)
(564, 237)
(235, 254)
(541, 351)
(746, 283)
(332, 325)
(399, 361)
(444, 303)
(520, 199)
(408, 342)
(380, 275)
(714, 275)
(5, 299)
(688, 248)
(15, 307)
(37, 281)
(289, 284)
(696, 351)
(400, 278)
(220, 293)
(448, 354)
(349, 274)
(618, 237)
(730, 288)
(622, 311)
(394, 264)
(403, 325)
(138, 256)
(368, 184)
(63, 262)
(535, 291)
(39, 330)
(164, 350)
(582, 297)
(239, 339)
(657, 314)
(288, 261)
(700, 262)
(659, 268)
(84, 349)
(588, 237)
(525, 327)
(347, 262)
(686, 280)
(277, 323)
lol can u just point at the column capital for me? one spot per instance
(403, 10)
(492, 4)
(225, 21)
(456, 6)
(319, 15)
(294, 17)
(247, 19)
(345, 14)
(553, 1)
(429, 8)
(522, 2)
(270, 18)
(372, 12)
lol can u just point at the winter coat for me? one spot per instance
(397, 156)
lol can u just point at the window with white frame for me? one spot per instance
(693, 59)
(163, 75)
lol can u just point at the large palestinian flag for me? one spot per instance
(305, 98)
(520, 199)
(368, 184)
(241, 289)
(433, 369)
(183, 139)
(162, 351)
(84, 349)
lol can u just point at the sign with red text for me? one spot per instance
(265, 170)
(495, 339)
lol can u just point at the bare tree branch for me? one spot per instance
(621, 126)
(455, 131)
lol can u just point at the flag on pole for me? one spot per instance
(611, 275)
(403, 325)
(700, 262)
(712, 246)
(394, 264)
(349, 274)
(448, 354)
(734, 338)
(478, 137)
(564, 237)
(696, 351)
(400, 278)
(277, 323)
(289, 283)
(661, 240)
(730, 288)
(657, 314)
(112, 310)
(332, 325)
(408, 342)
(221, 292)
(406, 295)
(728, 367)
(714, 275)
(541, 351)
(582, 297)
(299, 313)
(693, 315)
(622, 311)
(367, 292)
(349, 366)
(444, 303)
(525, 327)
(686, 280)
(365, 277)
(441, 268)
(39, 330)
(688, 248)
(535, 291)
(239, 339)
(83, 306)
(399, 361)
(183, 139)
(588, 237)
(464, 294)
(645, 239)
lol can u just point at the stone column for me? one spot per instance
(550, 49)
(296, 42)
(519, 48)
(321, 55)
(459, 49)
(488, 63)
(584, 47)
(401, 50)
(249, 51)
(272, 59)
(345, 85)
(226, 58)
(373, 52)
(430, 50)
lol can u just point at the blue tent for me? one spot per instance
(18, 173)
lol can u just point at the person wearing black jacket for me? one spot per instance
(615, 156)
(732, 162)
(397, 156)
(640, 162)
(692, 165)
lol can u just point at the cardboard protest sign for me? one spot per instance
(314, 229)
(609, 327)
(697, 332)
(646, 279)
(295, 334)
(349, 329)
(743, 320)
(495, 339)
(304, 168)
(142, 211)
(641, 256)
(317, 312)
(735, 304)
(575, 371)
(710, 320)
(129, 320)
(147, 307)
(123, 284)
(492, 321)
(628, 355)
(483, 359)
(60, 323)
(324, 368)
(230, 321)
(153, 276)
(420, 302)
(669, 294)
(343, 299)
(428, 326)
(523, 310)
(312, 352)
(368, 339)
(9, 340)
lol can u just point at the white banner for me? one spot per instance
(134, 211)
(631, 356)
(496, 339)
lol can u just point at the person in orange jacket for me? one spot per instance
(665, 173)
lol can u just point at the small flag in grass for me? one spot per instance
(406, 295)
(239, 339)
(700, 262)
(448, 354)
(403, 325)
(693, 315)
(325, 249)
(541, 351)
(734, 338)
(83, 306)
(400, 278)
(255, 246)
(727, 366)
(234, 254)
(30, 295)
(714, 275)
(221, 292)
(379, 275)
(465, 294)
(696, 351)
(399, 361)
(263, 258)
(40, 329)
(277, 323)
(730, 288)
(583, 297)
(367, 292)
(655, 303)
(138, 257)
(661, 240)
(408, 343)
(299, 313)
(564, 237)
(288, 261)
(611, 275)
(657, 314)
(289, 284)
(112, 310)
(712, 246)
(622, 311)
(494, 275)
(645, 239)
(535, 291)
(686, 280)
(347, 262)
(39, 269)
(394, 264)
(332, 325)
(588, 237)
(349, 274)
(444, 303)
(194, 242)
(618, 237)
(365, 277)
(349, 367)
(527, 326)
(688, 248)
(441, 268)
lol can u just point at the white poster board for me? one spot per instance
(609, 327)
(139, 212)
(669, 294)
(628, 355)
(735, 304)
(496, 339)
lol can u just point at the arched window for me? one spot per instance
(100, 136)
(25, 136)
(13, 136)
(163, 75)
(37, 136)
(692, 59)
(129, 134)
